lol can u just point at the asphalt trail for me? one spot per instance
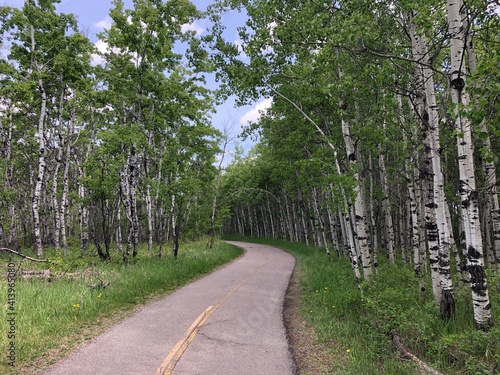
(229, 322)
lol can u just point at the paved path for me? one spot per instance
(229, 322)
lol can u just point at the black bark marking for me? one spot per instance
(477, 279)
(472, 253)
(444, 264)
(458, 83)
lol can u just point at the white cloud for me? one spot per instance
(255, 113)
(239, 44)
(101, 47)
(195, 26)
(104, 23)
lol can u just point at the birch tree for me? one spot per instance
(42, 40)
(468, 192)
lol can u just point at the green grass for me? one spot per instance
(52, 317)
(357, 326)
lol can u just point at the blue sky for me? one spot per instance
(93, 16)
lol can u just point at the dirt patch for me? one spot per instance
(311, 356)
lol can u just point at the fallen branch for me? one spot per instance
(100, 285)
(424, 367)
(34, 274)
(4, 249)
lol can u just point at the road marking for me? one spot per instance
(176, 353)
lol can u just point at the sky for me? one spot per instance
(93, 17)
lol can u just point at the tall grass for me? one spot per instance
(358, 324)
(54, 316)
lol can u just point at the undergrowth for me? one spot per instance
(358, 322)
(53, 315)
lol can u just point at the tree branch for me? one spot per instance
(6, 250)
(424, 367)
(303, 114)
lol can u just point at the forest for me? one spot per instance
(381, 144)
(118, 152)
(382, 139)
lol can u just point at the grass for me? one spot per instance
(52, 317)
(357, 326)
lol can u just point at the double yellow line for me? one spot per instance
(176, 353)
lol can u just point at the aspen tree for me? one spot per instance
(468, 194)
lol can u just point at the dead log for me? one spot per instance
(100, 285)
(424, 367)
(39, 275)
(7, 250)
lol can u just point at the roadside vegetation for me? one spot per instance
(357, 328)
(82, 296)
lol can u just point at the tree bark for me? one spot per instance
(432, 175)
(468, 193)
(132, 190)
(389, 226)
(41, 171)
(64, 199)
(320, 222)
(359, 207)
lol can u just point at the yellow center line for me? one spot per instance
(176, 353)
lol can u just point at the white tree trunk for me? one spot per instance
(359, 207)
(333, 226)
(303, 218)
(489, 166)
(289, 220)
(64, 198)
(412, 171)
(320, 221)
(41, 171)
(468, 194)
(389, 226)
(438, 235)
(55, 203)
(347, 229)
(413, 211)
(132, 186)
(271, 219)
(438, 180)
(125, 198)
(119, 240)
(9, 184)
(173, 221)
(373, 220)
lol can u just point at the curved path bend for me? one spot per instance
(229, 322)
